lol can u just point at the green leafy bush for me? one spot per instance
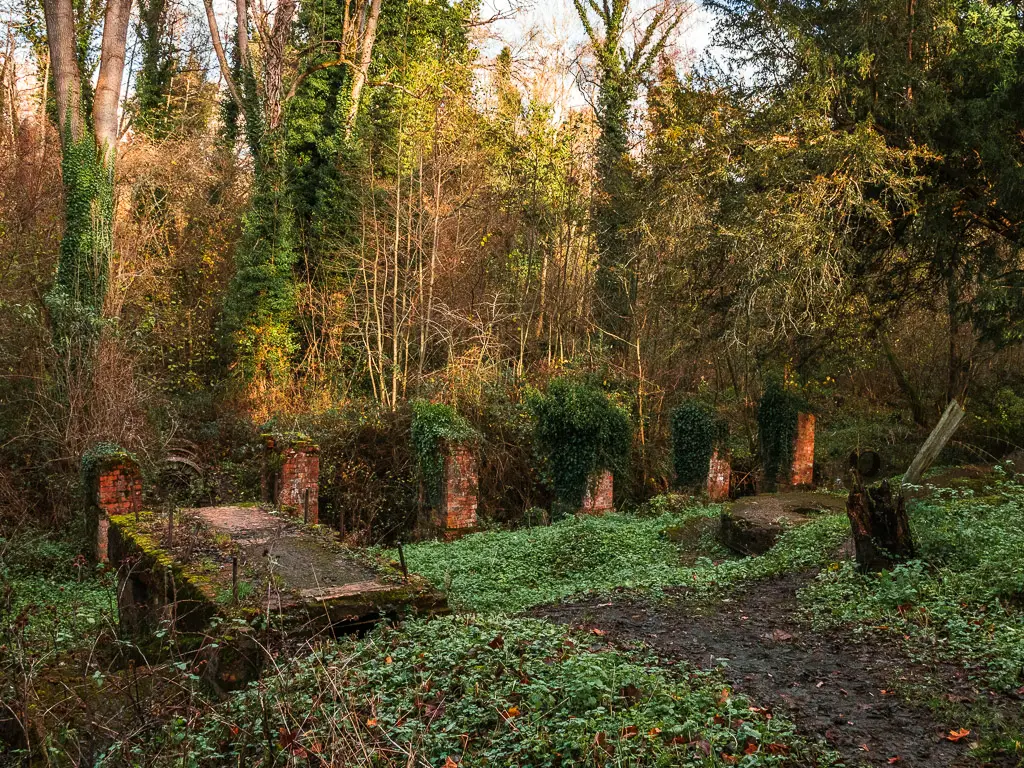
(695, 433)
(579, 431)
(434, 426)
(777, 415)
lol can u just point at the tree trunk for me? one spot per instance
(75, 300)
(108, 83)
(369, 37)
(60, 37)
(881, 528)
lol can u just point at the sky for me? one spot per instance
(545, 37)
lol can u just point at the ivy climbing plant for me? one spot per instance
(75, 300)
(777, 415)
(578, 431)
(434, 427)
(696, 432)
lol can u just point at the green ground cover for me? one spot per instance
(478, 691)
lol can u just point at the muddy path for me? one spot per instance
(835, 687)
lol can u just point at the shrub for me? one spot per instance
(579, 431)
(695, 433)
(776, 428)
(368, 482)
(434, 426)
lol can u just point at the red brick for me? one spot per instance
(460, 492)
(118, 491)
(600, 494)
(802, 472)
(299, 472)
(719, 474)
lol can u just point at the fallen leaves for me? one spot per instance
(958, 735)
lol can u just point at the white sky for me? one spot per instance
(550, 30)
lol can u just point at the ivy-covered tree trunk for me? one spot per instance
(75, 301)
(89, 150)
(620, 73)
(616, 205)
(260, 304)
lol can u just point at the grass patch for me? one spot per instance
(51, 600)
(484, 691)
(514, 570)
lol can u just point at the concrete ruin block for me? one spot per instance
(113, 487)
(802, 471)
(719, 476)
(460, 492)
(599, 497)
(291, 475)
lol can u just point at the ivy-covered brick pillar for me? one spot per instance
(113, 486)
(802, 470)
(719, 476)
(291, 475)
(460, 493)
(600, 494)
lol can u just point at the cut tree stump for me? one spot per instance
(881, 528)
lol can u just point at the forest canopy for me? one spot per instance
(215, 217)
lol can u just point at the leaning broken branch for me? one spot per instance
(936, 441)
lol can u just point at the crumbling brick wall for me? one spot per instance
(116, 489)
(460, 494)
(600, 494)
(719, 475)
(802, 472)
(291, 475)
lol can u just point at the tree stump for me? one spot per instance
(881, 528)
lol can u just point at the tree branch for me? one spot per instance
(222, 59)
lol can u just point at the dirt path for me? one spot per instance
(832, 686)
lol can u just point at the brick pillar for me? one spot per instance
(719, 474)
(460, 491)
(115, 488)
(291, 475)
(802, 472)
(600, 494)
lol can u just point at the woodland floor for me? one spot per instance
(854, 693)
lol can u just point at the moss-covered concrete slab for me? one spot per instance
(252, 563)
